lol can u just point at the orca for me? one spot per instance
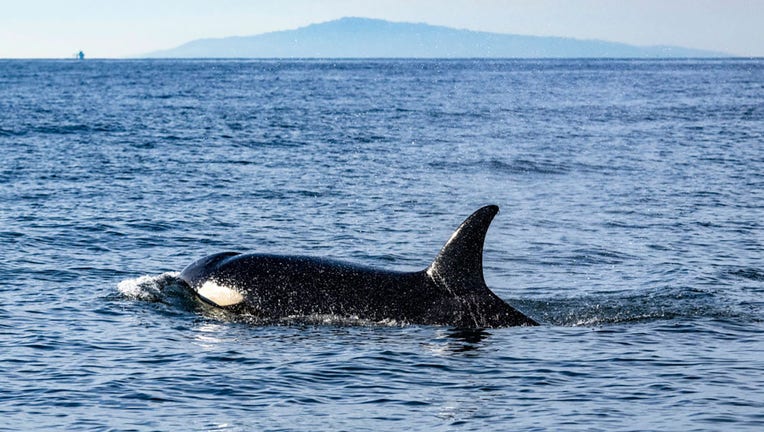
(451, 291)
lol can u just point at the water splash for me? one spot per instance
(151, 288)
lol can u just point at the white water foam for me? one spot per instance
(148, 288)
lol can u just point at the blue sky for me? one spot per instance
(123, 28)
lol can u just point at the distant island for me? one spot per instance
(375, 38)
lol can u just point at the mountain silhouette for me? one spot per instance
(375, 38)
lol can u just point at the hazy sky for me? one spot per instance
(122, 28)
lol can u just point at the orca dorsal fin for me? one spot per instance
(459, 265)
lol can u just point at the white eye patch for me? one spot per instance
(219, 295)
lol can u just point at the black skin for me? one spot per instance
(451, 291)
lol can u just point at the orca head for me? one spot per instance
(200, 277)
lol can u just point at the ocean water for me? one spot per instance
(632, 201)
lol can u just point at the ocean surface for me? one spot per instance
(631, 227)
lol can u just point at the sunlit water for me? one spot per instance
(631, 197)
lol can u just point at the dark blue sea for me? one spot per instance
(631, 227)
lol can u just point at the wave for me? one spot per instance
(514, 167)
(529, 166)
(10, 132)
(637, 307)
(749, 273)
